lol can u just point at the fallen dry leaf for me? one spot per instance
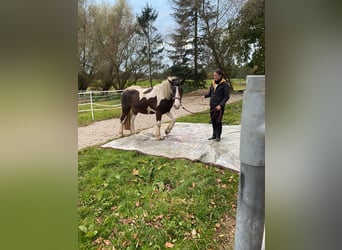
(107, 242)
(158, 217)
(99, 220)
(98, 240)
(169, 245)
(135, 172)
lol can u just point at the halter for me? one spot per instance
(176, 98)
(175, 82)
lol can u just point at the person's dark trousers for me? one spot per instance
(216, 121)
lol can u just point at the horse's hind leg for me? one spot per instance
(123, 119)
(122, 122)
(132, 123)
(158, 116)
(172, 123)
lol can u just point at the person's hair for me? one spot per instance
(219, 71)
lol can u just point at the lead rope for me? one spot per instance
(213, 110)
(187, 109)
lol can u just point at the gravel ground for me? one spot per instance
(103, 131)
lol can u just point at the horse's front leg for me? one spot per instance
(158, 118)
(172, 122)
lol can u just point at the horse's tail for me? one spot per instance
(128, 121)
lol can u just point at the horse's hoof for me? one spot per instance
(167, 132)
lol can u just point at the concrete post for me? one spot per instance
(251, 199)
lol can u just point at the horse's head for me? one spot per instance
(177, 90)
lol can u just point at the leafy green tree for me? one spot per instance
(117, 45)
(187, 41)
(201, 41)
(247, 35)
(215, 16)
(153, 40)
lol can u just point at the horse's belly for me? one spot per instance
(144, 110)
(150, 110)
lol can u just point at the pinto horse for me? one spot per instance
(157, 100)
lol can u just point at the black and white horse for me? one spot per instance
(157, 100)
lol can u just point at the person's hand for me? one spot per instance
(218, 107)
(202, 97)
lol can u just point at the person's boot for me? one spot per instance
(218, 132)
(213, 137)
(214, 132)
(217, 137)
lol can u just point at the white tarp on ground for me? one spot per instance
(187, 140)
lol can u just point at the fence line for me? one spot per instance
(96, 96)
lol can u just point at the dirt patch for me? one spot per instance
(225, 233)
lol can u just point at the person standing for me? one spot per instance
(219, 95)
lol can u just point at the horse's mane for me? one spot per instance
(165, 88)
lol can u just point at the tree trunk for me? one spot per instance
(196, 50)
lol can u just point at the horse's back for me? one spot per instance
(134, 87)
(130, 96)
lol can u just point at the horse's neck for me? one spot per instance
(165, 88)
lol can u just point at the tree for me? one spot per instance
(85, 47)
(187, 41)
(116, 45)
(200, 42)
(153, 39)
(216, 16)
(248, 35)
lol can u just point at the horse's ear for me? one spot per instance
(170, 80)
(182, 81)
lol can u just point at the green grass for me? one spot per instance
(238, 83)
(85, 118)
(131, 201)
(232, 115)
(146, 83)
(128, 200)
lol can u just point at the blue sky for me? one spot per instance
(165, 22)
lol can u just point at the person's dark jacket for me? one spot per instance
(220, 95)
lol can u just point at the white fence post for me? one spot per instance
(91, 106)
(94, 106)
